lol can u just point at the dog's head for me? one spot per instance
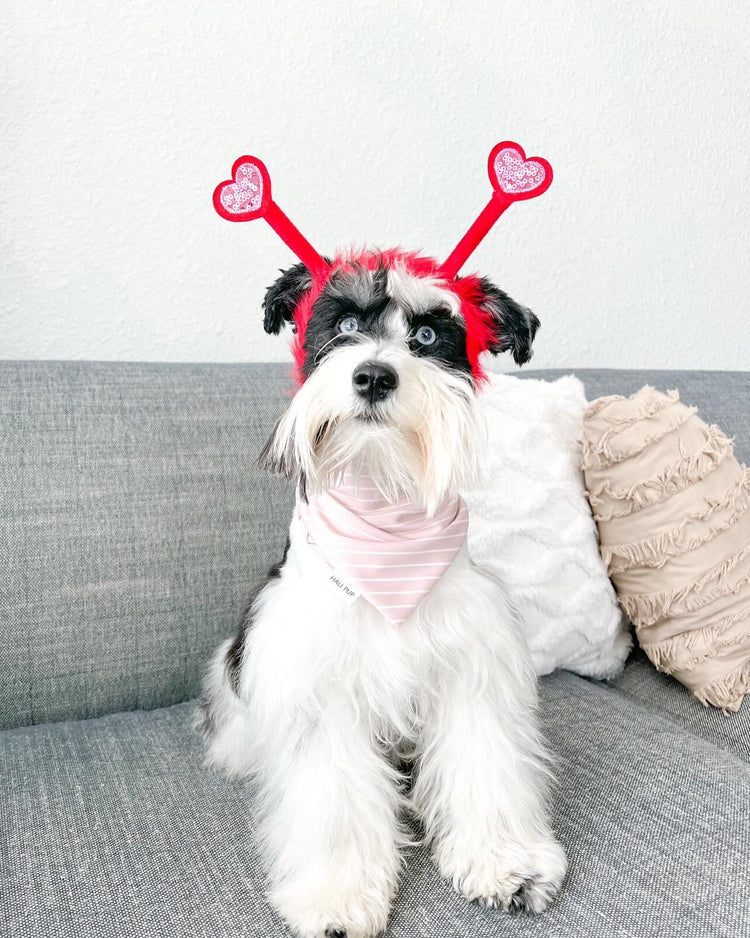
(387, 361)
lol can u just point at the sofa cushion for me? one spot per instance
(642, 683)
(114, 827)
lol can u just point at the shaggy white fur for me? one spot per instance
(327, 691)
(531, 525)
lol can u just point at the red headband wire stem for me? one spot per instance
(293, 238)
(475, 235)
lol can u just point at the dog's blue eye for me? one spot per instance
(425, 335)
(349, 324)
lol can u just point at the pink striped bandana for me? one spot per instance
(392, 554)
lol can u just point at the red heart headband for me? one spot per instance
(247, 195)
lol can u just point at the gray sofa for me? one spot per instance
(134, 526)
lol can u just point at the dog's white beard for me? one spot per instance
(424, 444)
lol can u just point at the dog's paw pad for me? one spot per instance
(533, 896)
(331, 913)
(514, 878)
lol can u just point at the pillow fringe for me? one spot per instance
(646, 609)
(667, 654)
(656, 551)
(728, 691)
(673, 479)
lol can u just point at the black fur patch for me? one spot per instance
(360, 294)
(516, 325)
(449, 348)
(283, 296)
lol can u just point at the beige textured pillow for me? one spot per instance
(671, 503)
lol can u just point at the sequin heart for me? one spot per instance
(246, 195)
(514, 175)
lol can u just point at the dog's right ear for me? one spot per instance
(283, 296)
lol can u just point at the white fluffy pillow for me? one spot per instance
(531, 525)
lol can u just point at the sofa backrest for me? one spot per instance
(135, 522)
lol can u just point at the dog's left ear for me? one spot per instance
(515, 325)
(283, 296)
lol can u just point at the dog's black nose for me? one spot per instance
(374, 381)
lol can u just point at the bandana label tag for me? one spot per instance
(331, 579)
(336, 583)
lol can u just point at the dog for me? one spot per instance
(362, 690)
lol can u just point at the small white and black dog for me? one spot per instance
(350, 712)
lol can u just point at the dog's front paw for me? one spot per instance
(336, 911)
(512, 876)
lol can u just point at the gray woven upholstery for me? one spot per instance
(135, 522)
(642, 683)
(114, 829)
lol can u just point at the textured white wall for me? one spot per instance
(375, 120)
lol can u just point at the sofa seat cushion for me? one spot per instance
(642, 683)
(114, 827)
